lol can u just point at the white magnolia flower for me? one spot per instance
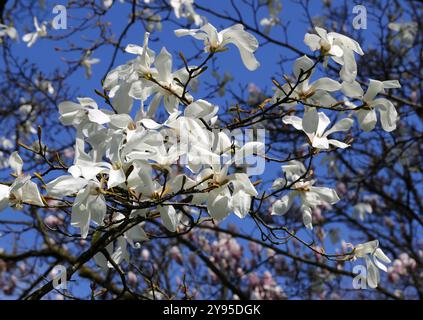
(8, 31)
(89, 203)
(406, 32)
(87, 63)
(167, 89)
(314, 125)
(169, 217)
(215, 41)
(40, 31)
(185, 9)
(302, 189)
(315, 93)
(72, 113)
(131, 80)
(22, 191)
(274, 7)
(366, 113)
(374, 258)
(117, 251)
(45, 85)
(341, 48)
(360, 210)
(269, 23)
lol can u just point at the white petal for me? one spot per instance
(218, 205)
(121, 101)
(338, 143)
(4, 196)
(310, 121)
(375, 87)
(241, 202)
(116, 177)
(349, 69)
(323, 123)
(312, 41)
(295, 121)
(303, 63)
(319, 142)
(135, 235)
(65, 185)
(281, 207)
(164, 65)
(16, 163)
(31, 194)
(388, 114)
(373, 276)
(80, 215)
(367, 119)
(169, 217)
(326, 84)
(352, 89)
(381, 256)
(97, 207)
(326, 194)
(98, 116)
(307, 217)
(245, 42)
(391, 84)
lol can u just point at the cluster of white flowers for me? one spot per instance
(321, 94)
(115, 151)
(141, 157)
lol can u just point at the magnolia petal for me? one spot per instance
(310, 121)
(307, 217)
(98, 116)
(31, 194)
(338, 143)
(135, 235)
(96, 206)
(373, 276)
(391, 84)
(320, 142)
(163, 64)
(326, 84)
(323, 123)
(388, 114)
(349, 69)
(16, 163)
(65, 185)
(4, 196)
(336, 51)
(295, 121)
(241, 202)
(200, 109)
(116, 177)
(367, 119)
(375, 87)
(281, 207)
(169, 217)
(326, 194)
(218, 205)
(302, 64)
(122, 102)
(381, 256)
(312, 41)
(352, 89)
(80, 215)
